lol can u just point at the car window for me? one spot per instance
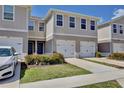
(5, 52)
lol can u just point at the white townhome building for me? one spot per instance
(111, 36)
(71, 34)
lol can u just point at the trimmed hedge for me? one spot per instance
(116, 56)
(98, 54)
(35, 59)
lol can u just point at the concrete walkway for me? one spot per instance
(90, 66)
(114, 62)
(95, 67)
(76, 81)
(109, 61)
(12, 82)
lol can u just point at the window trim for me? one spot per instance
(80, 24)
(39, 26)
(94, 25)
(122, 29)
(62, 20)
(34, 25)
(69, 22)
(116, 28)
(13, 13)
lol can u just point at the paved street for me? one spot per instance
(12, 82)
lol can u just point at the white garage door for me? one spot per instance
(118, 47)
(17, 43)
(67, 48)
(87, 49)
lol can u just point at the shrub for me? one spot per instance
(45, 59)
(98, 54)
(29, 59)
(56, 58)
(117, 56)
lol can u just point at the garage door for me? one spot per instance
(118, 47)
(67, 48)
(17, 43)
(87, 49)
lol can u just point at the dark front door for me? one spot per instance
(40, 47)
(31, 47)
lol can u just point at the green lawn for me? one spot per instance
(50, 72)
(103, 63)
(108, 84)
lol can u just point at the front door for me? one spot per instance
(40, 47)
(31, 47)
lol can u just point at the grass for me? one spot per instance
(50, 72)
(103, 63)
(108, 84)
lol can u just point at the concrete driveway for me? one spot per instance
(12, 82)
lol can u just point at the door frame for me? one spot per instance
(33, 44)
(43, 46)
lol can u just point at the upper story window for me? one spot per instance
(8, 12)
(72, 22)
(41, 26)
(59, 20)
(31, 25)
(121, 29)
(92, 25)
(114, 26)
(83, 23)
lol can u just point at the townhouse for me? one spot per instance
(14, 27)
(71, 34)
(111, 36)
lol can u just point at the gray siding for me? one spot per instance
(104, 34)
(77, 30)
(20, 22)
(36, 34)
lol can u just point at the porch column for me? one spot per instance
(35, 46)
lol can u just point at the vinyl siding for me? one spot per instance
(20, 20)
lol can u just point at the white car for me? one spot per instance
(8, 61)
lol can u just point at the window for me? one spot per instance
(92, 25)
(114, 28)
(83, 23)
(59, 21)
(121, 29)
(41, 26)
(31, 25)
(71, 22)
(8, 12)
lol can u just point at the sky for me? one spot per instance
(105, 12)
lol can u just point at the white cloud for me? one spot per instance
(101, 20)
(118, 13)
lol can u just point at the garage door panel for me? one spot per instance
(66, 47)
(118, 47)
(87, 49)
(17, 43)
